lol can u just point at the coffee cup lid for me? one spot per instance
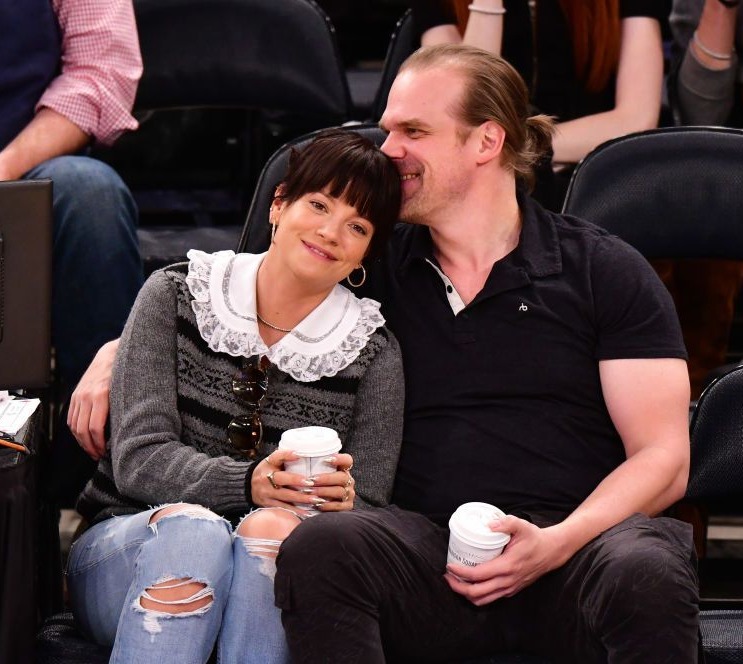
(310, 441)
(470, 523)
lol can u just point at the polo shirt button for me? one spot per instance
(449, 289)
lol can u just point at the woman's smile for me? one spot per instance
(320, 253)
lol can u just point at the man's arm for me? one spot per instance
(101, 67)
(48, 135)
(88, 412)
(94, 92)
(648, 400)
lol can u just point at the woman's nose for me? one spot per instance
(329, 230)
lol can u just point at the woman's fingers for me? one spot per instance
(333, 491)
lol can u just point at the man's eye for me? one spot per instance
(412, 131)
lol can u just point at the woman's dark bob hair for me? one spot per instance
(343, 164)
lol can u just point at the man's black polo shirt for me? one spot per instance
(503, 399)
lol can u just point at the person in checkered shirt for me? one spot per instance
(69, 75)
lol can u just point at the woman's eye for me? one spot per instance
(318, 205)
(358, 228)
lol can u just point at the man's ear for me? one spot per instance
(491, 137)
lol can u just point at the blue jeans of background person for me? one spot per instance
(116, 561)
(97, 269)
(97, 273)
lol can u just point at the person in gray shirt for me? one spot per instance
(708, 36)
(218, 358)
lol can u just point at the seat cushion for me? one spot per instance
(59, 642)
(722, 635)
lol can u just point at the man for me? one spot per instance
(545, 374)
(70, 74)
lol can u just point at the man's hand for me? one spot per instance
(531, 553)
(89, 403)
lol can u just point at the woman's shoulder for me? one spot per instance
(381, 347)
(171, 278)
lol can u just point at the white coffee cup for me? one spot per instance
(471, 542)
(313, 446)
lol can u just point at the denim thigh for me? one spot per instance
(100, 570)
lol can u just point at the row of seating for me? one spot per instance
(274, 71)
(225, 83)
(669, 192)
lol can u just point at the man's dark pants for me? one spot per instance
(367, 586)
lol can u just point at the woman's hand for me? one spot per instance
(272, 486)
(337, 488)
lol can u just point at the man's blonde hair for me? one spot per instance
(493, 91)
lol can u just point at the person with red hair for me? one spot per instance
(596, 66)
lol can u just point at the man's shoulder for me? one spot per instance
(586, 236)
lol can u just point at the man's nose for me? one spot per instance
(392, 147)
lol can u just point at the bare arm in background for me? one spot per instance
(705, 84)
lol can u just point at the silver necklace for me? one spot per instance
(273, 327)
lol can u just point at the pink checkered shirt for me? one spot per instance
(101, 66)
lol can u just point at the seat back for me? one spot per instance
(717, 442)
(402, 43)
(675, 192)
(261, 54)
(225, 83)
(256, 231)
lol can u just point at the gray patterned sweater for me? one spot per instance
(171, 401)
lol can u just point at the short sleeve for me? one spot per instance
(428, 14)
(659, 9)
(635, 314)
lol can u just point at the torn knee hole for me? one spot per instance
(183, 509)
(177, 596)
(262, 548)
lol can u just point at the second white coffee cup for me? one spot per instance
(471, 542)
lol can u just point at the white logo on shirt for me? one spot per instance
(523, 307)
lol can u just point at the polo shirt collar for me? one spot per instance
(537, 253)
(538, 250)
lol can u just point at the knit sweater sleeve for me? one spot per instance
(701, 96)
(376, 430)
(150, 463)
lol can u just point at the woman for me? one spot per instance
(596, 66)
(252, 345)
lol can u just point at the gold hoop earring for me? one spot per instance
(363, 277)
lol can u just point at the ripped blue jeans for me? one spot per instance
(226, 593)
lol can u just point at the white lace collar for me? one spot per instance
(326, 341)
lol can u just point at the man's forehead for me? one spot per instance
(418, 96)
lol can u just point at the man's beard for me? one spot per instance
(412, 212)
